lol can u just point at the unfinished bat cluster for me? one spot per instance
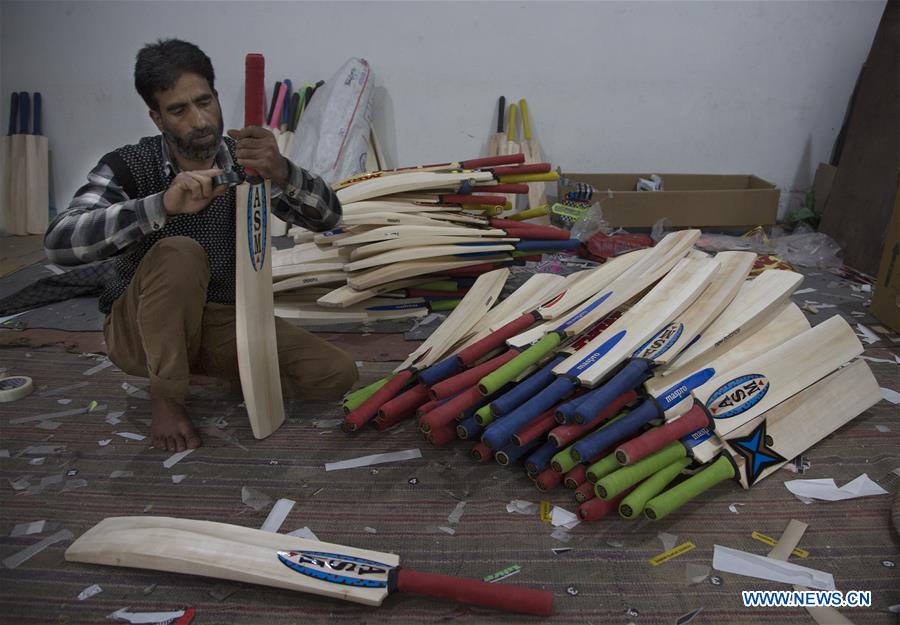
(507, 141)
(411, 240)
(622, 380)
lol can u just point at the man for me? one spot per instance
(170, 309)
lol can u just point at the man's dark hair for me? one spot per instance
(159, 66)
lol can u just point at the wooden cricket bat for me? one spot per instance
(537, 191)
(499, 136)
(410, 181)
(428, 251)
(231, 552)
(254, 309)
(764, 444)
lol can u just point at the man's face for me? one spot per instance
(189, 117)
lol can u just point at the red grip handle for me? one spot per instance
(481, 452)
(585, 492)
(254, 93)
(538, 426)
(401, 407)
(597, 508)
(461, 381)
(524, 230)
(547, 480)
(447, 412)
(443, 435)
(534, 168)
(427, 407)
(363, 413)
(475, 592)
(657, 438)
(509, 187)
(473, 198)
(576, 476)
(482, 348)
(493, 161)
(565, 434)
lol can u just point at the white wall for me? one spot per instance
(728, 87)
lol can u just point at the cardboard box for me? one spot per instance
(886, 300)
(698, 200)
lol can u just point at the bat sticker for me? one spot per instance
(737, 396)
(756, 448)
(598, 353)
(256, 226)
(337, 568)
(659, 344)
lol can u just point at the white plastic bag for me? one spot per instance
(333, 134)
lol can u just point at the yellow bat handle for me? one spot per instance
(511, 124)
(526, 125)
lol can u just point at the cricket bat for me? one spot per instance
(499, 136)
(409, 181)
(427, 251)
(761, 446)
(241, 554)
(537, 191)
(512, 147)
(254, 310)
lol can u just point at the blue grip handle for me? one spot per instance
(24, 112)
(616, 431)
(37, 114)
(631, 376)
(440, 371)
(540, 459)
(526, 389)
(514, 452)
(499, 432)
(565, 414)
(535, 245)
(13, 113)
(469, 429)
(286, 107)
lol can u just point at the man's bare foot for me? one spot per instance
(171, 429)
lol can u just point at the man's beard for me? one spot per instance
(189, 147)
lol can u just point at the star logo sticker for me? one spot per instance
(756, 452)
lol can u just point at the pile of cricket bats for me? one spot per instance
(411, 240)
(506, 141)
(620, 381)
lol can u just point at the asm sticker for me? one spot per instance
(737, 396)
(660, 344)
(257, 217)
(337, 568)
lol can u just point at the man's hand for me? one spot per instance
(192, 191)
(257, 149)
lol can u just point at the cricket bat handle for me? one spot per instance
(475, 592)
(662, 505)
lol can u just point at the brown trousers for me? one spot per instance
(163, 328)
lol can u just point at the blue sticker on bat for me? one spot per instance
(697, 437)
(678, 392)
(337, 568)
(737, 396)
(257, 222)
(597, 354)
(758, 453)
(582, 313)
(661, 342)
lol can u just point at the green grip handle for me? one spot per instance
(563, 462)
(484, 416)
(634, 503)
(616, 482)
(606, 465)
(357, 397)
(662, 505)
(501, 376)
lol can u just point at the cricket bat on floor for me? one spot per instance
(755, 450)
(254, 310)
(241, 554)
